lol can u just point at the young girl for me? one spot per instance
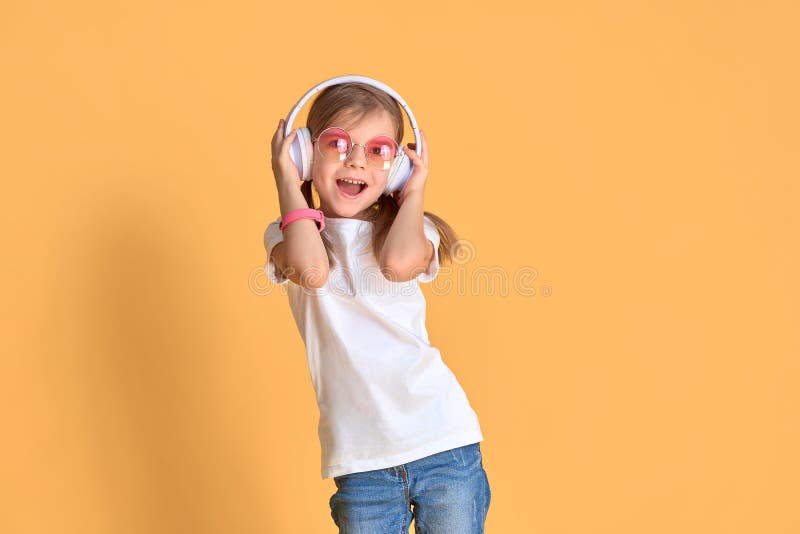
(395, 426)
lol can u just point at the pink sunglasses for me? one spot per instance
(335, 144)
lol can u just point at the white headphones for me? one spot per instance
(302, 150)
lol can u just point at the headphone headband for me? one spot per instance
(359, 79)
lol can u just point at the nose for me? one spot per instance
(357, 157)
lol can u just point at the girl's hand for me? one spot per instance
(282, 166)
(419, 174)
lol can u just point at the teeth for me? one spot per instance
(353, 181)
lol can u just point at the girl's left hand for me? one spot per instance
(419, 174)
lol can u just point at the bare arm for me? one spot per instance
(407, 252)
(301, 256)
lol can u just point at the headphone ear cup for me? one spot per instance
(399, 174)
(301, 152)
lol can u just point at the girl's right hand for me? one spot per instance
(282, 166)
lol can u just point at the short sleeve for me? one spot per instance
(433, 236)
(272, 236)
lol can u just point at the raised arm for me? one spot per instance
(301, 256)
(407, 251)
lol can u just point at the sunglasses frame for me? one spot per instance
(363, 147)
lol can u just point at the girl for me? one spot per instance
(395, 427)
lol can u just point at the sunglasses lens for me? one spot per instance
(334, 144)
(381, 151)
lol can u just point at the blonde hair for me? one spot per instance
(352, 101)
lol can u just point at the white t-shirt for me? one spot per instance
(385, 396)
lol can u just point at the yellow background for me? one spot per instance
(641, 157)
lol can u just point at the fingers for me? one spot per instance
(287, 143)
(276, 135)
(282, 165)
(279, 142)
(279, 131)
(410, 150)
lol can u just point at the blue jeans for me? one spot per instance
(449, 491)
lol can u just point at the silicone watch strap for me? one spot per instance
(303, 213)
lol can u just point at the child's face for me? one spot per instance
(334, 201)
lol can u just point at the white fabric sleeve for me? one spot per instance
(433, 236)
(273, 236)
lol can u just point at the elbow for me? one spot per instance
(405, 268)
(312, 277)
(308, 275)
(399, 271)
(315, 281)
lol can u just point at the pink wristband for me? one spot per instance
(303, 213)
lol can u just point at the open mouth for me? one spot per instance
(349, 189)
